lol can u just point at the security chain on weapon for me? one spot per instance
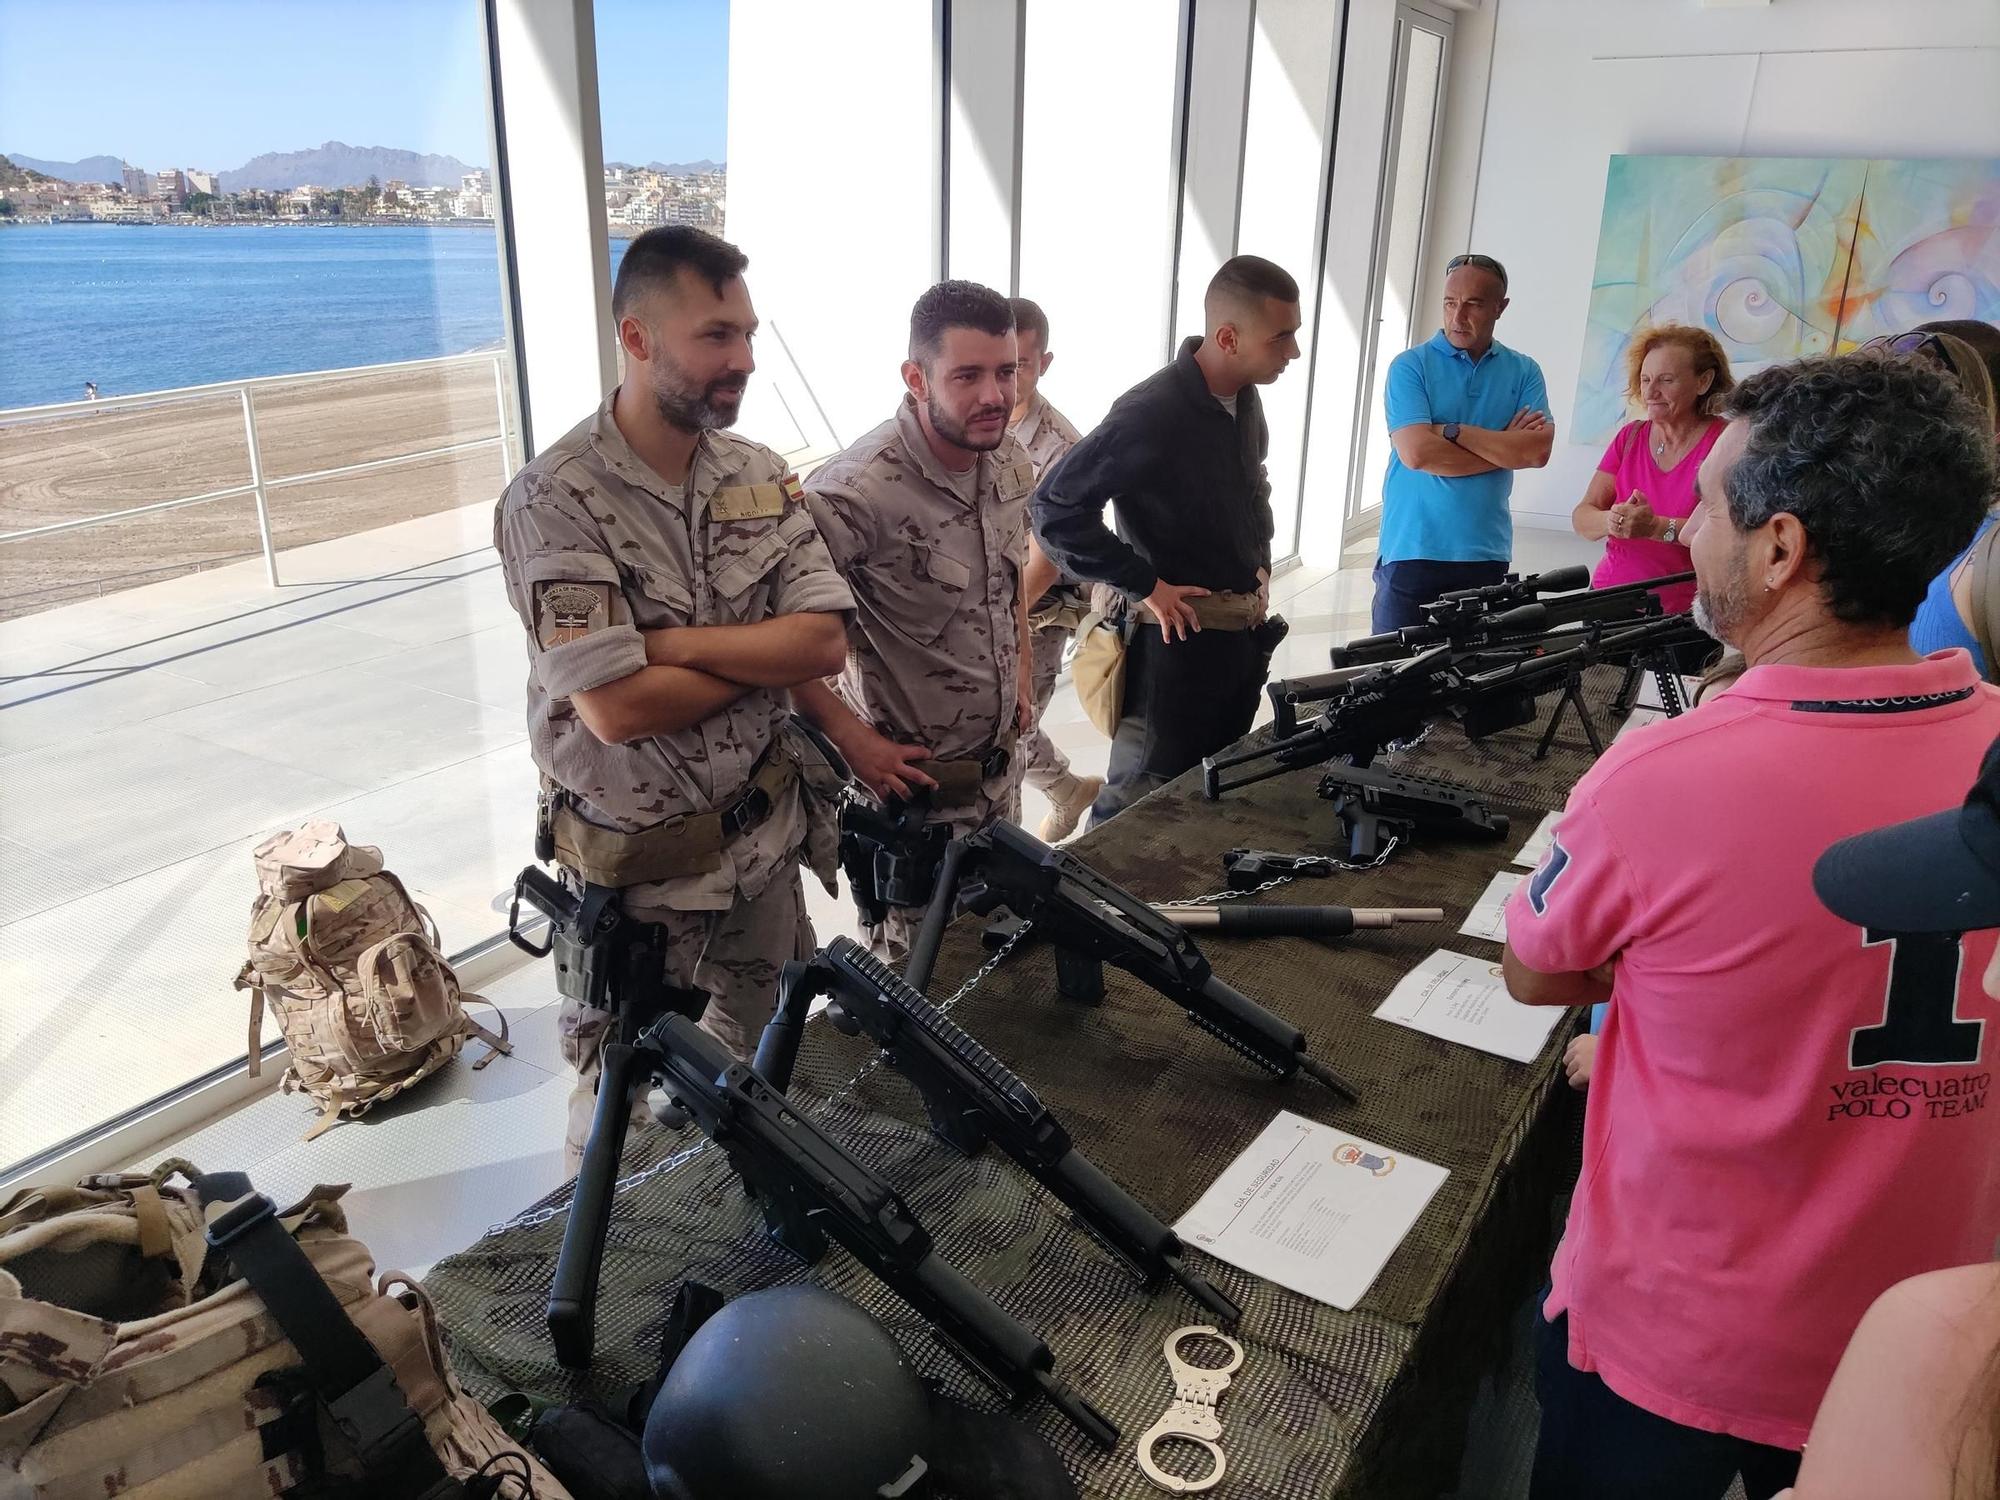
(1193, 1417)
(623, 1185)
(1272, 884)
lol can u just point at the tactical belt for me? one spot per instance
(959, 781)
(689, 844)
(1223, 611)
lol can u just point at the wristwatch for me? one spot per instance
(1672, 533)
(1450, 432)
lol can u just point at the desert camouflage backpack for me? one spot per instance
(351, 968)
(161, 1342)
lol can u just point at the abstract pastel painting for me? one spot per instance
(1781, 257)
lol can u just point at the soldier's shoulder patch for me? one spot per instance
(748, 502)
(1016, 479)
(794, 491)
(567, 611)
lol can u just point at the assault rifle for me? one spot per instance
(1497, 615)
(1484, 690)
(972, 1098)
(1093, 922)
(810, 1188)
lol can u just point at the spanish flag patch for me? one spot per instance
(794, 491)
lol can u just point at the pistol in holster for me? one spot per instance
(890, 853)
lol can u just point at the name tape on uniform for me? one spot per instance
(751, 502)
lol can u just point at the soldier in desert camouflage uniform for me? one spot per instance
(672, 586)
(927, 518)
(1056, 605)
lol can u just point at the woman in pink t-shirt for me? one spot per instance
(1643, 491)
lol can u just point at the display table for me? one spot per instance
(1371, 1402)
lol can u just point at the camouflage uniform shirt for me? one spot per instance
(1045, 433)
(935, 562)
(597, 547)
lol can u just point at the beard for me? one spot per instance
(692, 407)
(952, 430)
(1719, 612)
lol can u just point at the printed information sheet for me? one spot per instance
(1488, 918)
(1465, 1000)
(1313, 1209)
(1640, 716)
(1649, 691)
(1530, 854)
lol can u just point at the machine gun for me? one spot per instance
(1375, 805)
(1496, 616)
(810, 1188)
(972, 1098)
(1093, 922)
(1485, 690)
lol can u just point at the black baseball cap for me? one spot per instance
(1935, 874)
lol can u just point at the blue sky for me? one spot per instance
(212, 83)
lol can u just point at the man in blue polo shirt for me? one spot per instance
(1464, 414)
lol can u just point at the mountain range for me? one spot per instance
(333, 164)
(90, 169)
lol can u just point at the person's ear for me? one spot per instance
(914, 381)
(1047, 360)
(1226, 338)
(1784, 550)
(1501, 308)
(634, 339)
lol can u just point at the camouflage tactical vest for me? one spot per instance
(351, 968)
(133, 1362)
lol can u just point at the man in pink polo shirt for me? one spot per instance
(1787, 1114)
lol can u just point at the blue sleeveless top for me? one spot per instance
(1937, 626)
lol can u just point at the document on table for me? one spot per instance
(1649, 691)
(1531, 853)
(1489, 914)
(1465, 1000)
(1313, 1209)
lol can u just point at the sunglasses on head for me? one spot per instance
(1915, 342)
(1479, 263)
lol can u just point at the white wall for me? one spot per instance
(1577, 81)
(833, 196)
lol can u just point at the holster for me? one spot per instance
(604, 957)
(891, 853)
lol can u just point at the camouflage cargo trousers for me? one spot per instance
(734, 955)
(1042, 763)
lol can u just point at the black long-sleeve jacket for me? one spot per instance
(1187, 480)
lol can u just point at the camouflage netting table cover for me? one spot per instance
(1371, 1402)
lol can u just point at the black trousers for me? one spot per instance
(1183, 699)
(1596, 1445)
(1402, 589)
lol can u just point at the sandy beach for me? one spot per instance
(60, 469)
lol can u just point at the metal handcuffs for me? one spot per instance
(1192, 1416)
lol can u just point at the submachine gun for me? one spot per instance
(1485, 690)
(810, 1188)
(972, 1098)
(1093, 922)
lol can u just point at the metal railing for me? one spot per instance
(259, 484)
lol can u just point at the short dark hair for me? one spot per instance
(1886, 463)
(1983, 337)
(1249, 279)
(955, 304)
(652, 259)
(1029, 318)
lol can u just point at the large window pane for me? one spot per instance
(1097, 191)
(1406, 199)
(261, 237)
(1284, 161)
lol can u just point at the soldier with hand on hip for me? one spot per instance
(927, 518)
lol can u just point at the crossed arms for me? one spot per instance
(1524, 443)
